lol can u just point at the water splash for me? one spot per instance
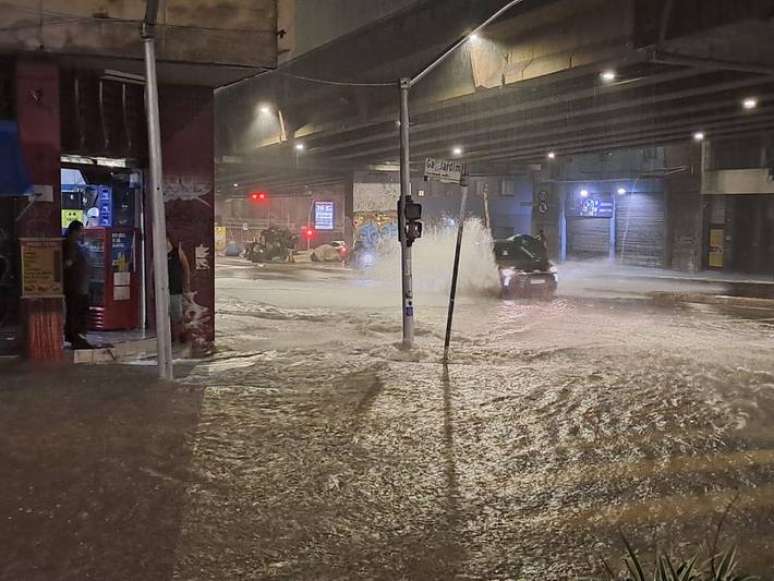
(433, 256)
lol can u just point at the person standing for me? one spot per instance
(76, 286)
(179, 271)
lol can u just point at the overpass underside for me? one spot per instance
(610, 96)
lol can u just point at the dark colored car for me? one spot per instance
(524, 267)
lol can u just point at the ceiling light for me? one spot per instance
(551, 155)
(698, 136)
(750, 103)
(608, 76)
(299, 147)
(584, 193)
(621, 191)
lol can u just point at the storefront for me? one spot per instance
(107, 199)
(606, 221)
(14, 184)
(81, 137)
(739, 215)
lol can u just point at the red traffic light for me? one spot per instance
(258, 197)
(308, 232)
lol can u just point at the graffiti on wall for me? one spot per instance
(202, 257)
(373, 228)
(197, 320)
(186, 189)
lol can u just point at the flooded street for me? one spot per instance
(325, 452)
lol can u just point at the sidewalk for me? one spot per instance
(739, 285)
(601, 280)
(95, 461)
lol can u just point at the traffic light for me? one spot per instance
(258, 197)
(308, 232)
(413, 215)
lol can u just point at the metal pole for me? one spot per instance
(487, 217)
(405, 192)
(159, 225)
(613, 235)
(455, 271)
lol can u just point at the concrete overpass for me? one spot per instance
(531, 84)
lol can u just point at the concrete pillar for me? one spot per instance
(349, 209)
(188, 154)
(37, 114)
(685, 224)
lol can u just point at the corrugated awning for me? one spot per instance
(14, 179)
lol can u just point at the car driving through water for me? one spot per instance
(524, 268)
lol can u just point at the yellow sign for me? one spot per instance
(220, 238)
(71, 215)
(41, 262)
(716, 243)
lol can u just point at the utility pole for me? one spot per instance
(405, 193)
(487, 217)
(456, 269)
(159, 224)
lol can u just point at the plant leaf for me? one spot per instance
(686, 573)
(633, 563)
(727, 565)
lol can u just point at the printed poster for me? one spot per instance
(41, 262)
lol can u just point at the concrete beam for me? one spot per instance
(239, 33)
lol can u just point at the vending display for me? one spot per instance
(105, 200)
(114, 285)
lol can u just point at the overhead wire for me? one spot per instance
(330, 82)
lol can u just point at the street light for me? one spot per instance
(265, 109)
(584, 193)
(698, 136)
(457, 151)
(474, 37)
(750, 103)
(551, 155)
(299, 147)
(621, 191)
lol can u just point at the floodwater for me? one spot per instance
(324, 451)
(311, 447)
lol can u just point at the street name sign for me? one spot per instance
(444, 170)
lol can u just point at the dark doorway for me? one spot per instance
(753, 231)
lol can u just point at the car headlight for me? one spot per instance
(507, 272)
(506, 275)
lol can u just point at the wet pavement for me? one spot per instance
(311, 447)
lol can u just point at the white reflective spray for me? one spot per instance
(433, 256)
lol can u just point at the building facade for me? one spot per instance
(73, 84)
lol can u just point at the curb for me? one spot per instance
(663, 297)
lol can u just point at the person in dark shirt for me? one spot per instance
(179, 272)
(76, 287)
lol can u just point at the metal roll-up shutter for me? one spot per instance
(640, 229)
(588, 238)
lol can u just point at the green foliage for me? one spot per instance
(720, 567)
